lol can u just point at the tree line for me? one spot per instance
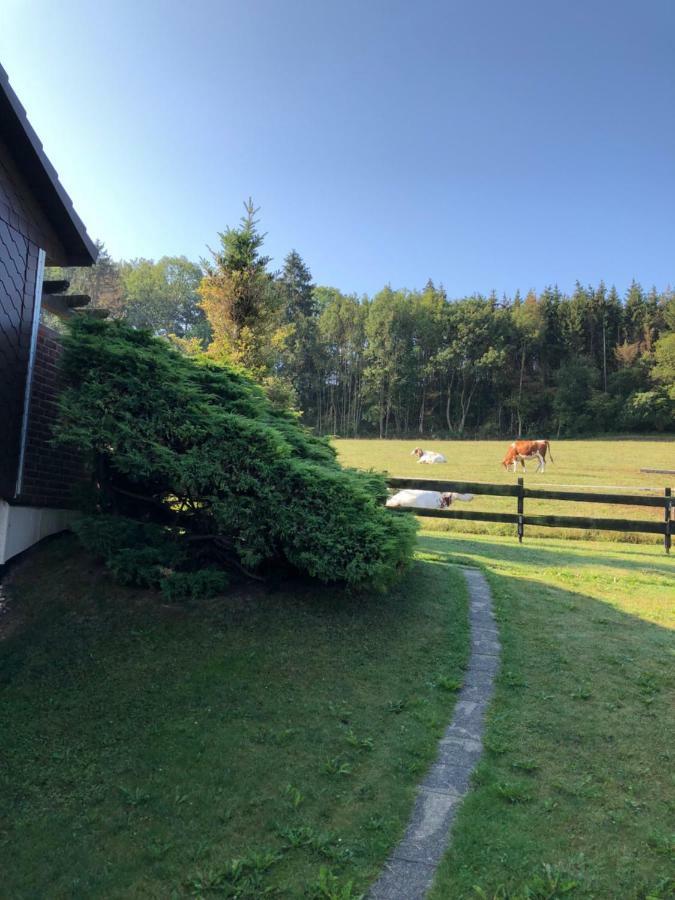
(407, 362)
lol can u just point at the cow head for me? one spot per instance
(417, 452)
(510, 458)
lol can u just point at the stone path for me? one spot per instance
(409, 872)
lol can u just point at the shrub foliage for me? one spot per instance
(193, 468)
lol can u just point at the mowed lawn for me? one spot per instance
(608, 466)
(267, 743)
(574, 796)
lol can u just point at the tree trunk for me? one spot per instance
(465, 406)
(381, 411)
(520, 392)
(460, 427)
(448, 402)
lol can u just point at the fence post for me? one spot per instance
(521, 506)
(668, 521)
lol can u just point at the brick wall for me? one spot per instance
(50, 473)
(18, 268)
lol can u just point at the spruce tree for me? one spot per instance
(297, 288)
(239, 300)
(299, 362)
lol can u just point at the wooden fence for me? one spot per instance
(521, 493)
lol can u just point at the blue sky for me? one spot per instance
(488, 145)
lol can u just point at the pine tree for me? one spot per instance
(634, 314)
(240, 247)
(299, 361)
(239, 300)
(297, 288)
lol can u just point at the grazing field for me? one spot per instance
(574, 795)
(609, 466)
(145, 747)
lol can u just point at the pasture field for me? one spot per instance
(609, 466)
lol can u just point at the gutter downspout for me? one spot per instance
(39, 276)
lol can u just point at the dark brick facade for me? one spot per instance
(24, 229)
(50, 473)
(18, 269)
(36, 218)
(21, 211)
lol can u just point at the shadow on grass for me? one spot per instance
(454, 545)
(145, 746)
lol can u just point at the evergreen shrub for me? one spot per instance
(193, 468)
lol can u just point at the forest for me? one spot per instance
(407, 362)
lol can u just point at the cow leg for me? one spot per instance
(540, 465)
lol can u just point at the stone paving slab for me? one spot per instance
(485, 646)
(487, 633)
(485, 624)
(482, 663)
(450, 777)
(415, 877)
(458, 751)
(427, 834)
(481, 680)
(409, 872)
(476, 690)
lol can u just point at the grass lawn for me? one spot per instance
(145, 747)
(575, 795)
(599, 464)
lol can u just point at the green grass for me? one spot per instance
(574, 796)
(146, 747)
(274, 740)
(599, 464)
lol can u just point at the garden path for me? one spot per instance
(409, 872)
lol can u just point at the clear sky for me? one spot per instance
(485, 144)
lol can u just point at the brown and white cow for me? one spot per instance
(426, 499)
(519, 451)
(428, 456)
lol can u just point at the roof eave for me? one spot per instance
(30, 157)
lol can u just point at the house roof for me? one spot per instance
(31, 159)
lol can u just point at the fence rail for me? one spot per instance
(521, 493)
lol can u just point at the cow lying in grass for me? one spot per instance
(425, 499)
(428, 456)
(519, 451)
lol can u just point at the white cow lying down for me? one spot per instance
(428, 456)
(425, 499)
